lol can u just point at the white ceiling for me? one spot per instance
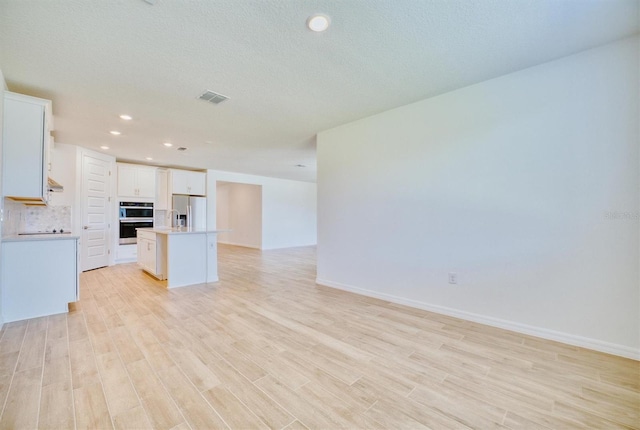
(97, 59)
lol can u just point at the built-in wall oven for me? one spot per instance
(134, 215)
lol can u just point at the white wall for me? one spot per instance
(288, 208)
(63, 170)
(222, 209)
(289, 214)
(510, 183)
(239, 208)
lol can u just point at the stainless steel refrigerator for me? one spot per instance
(193, 210)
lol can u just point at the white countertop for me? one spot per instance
(179, 230)
(28, 237)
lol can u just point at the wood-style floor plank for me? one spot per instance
(56, 406)
(132, 419)
(32, 352)
(234, 413)
(23, 400)
(268, 348)
(91, 408)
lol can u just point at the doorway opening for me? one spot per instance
(239, 209)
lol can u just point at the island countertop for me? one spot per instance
(179, 230)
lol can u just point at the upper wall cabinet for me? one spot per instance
(25, 148)
(162, 190)
(188, 182)
(136, 181)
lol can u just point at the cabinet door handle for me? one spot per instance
(86, 227)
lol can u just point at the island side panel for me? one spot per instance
(186, 259)
(161, 256)
(212, 257)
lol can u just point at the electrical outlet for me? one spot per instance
(453, 278)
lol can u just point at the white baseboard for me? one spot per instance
(238, 244)
(125, 260)
(583, 342)
(289, 247)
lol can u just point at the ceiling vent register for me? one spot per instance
(211, 97)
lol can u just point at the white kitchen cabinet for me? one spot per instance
(163, 199)
(188, 182)
(147, 182)
(152, 253)
(26, 139)
(145, 255)
(127, 186)
(136, 181)
(126, 253)
(39, 277)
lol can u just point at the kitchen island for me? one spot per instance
(181, 256)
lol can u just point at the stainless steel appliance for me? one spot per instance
(193, 210)
(134, 215)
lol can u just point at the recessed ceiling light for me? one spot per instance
(167, 144)
(115, 133)
(208, 142)
(149, 158)
(126, 117)
(318, 22)
(104, 147)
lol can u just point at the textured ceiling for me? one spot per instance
(97, 59)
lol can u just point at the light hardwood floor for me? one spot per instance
(267, 348)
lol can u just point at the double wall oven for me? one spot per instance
(134, 215)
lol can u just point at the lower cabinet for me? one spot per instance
(39, 277)
(126, 253)
(151, 251)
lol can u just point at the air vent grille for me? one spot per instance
(212, 97)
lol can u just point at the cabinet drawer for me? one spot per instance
(149, 235)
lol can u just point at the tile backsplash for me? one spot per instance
(46, 218)
(160, 218)
(18, 218)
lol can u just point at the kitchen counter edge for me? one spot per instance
(31, 237)
(169, 231)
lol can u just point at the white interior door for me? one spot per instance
(95, 212)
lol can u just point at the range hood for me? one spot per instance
(54, 186)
